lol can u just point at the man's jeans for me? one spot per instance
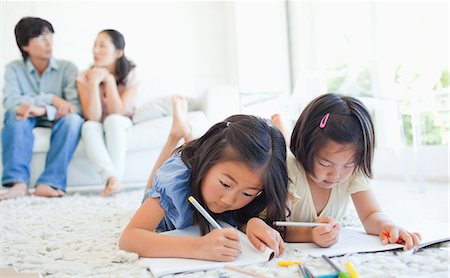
(17, 149)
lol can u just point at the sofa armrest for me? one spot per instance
(221, 102)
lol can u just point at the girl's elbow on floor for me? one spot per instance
(125, 242)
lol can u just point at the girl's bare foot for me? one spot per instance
(113, 186)
(17, 190)
(45, 190)
(278, 123)
(180, 127)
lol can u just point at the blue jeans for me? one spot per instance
(17, 149)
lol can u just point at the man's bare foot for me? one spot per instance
(112, 187)
(278, 123)
(45, 190)
(180, 127)
(17, 190)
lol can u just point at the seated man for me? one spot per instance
(39, 91)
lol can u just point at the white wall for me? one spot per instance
(186, 47)
(179, 47)
(262, 47)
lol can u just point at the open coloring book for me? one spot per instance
(164, 266)
(352, 240)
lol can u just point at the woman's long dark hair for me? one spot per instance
(250, 140)
(123, 65)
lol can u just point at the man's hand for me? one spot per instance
(63, 106)
(26, 110)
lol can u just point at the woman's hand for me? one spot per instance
(261, 235)
(395, 234)
(110, 78)
(325, 236)
(220, 245)
(96, 75)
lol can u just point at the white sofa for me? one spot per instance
(145, 140)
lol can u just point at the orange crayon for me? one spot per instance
(388, 235)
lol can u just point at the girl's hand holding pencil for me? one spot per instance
(324, 232)
(326, 235)
(220, 245)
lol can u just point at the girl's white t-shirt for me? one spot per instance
(302, 205)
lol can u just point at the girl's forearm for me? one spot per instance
(299, 234)
(373, 223)
(150, 244)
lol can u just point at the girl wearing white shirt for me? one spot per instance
(332, 147)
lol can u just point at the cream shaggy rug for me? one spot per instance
(76, 236)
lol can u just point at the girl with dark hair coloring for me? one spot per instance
(108, 93)
(332, 148)
(236, 170)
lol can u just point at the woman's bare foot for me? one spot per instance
(17, 190)
(45, 190)
(113, 186)
(180, 127)
(278, 123)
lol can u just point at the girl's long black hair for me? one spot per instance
(250, 140)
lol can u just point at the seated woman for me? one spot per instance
(108, 91)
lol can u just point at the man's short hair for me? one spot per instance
(28, 28)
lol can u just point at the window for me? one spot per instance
(262, 56)
(393, 51)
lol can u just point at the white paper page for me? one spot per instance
(353, 240)
(164, 266)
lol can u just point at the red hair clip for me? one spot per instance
(324, 120)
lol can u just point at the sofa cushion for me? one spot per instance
(161, 107)
(154, 133)
(144, 135)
